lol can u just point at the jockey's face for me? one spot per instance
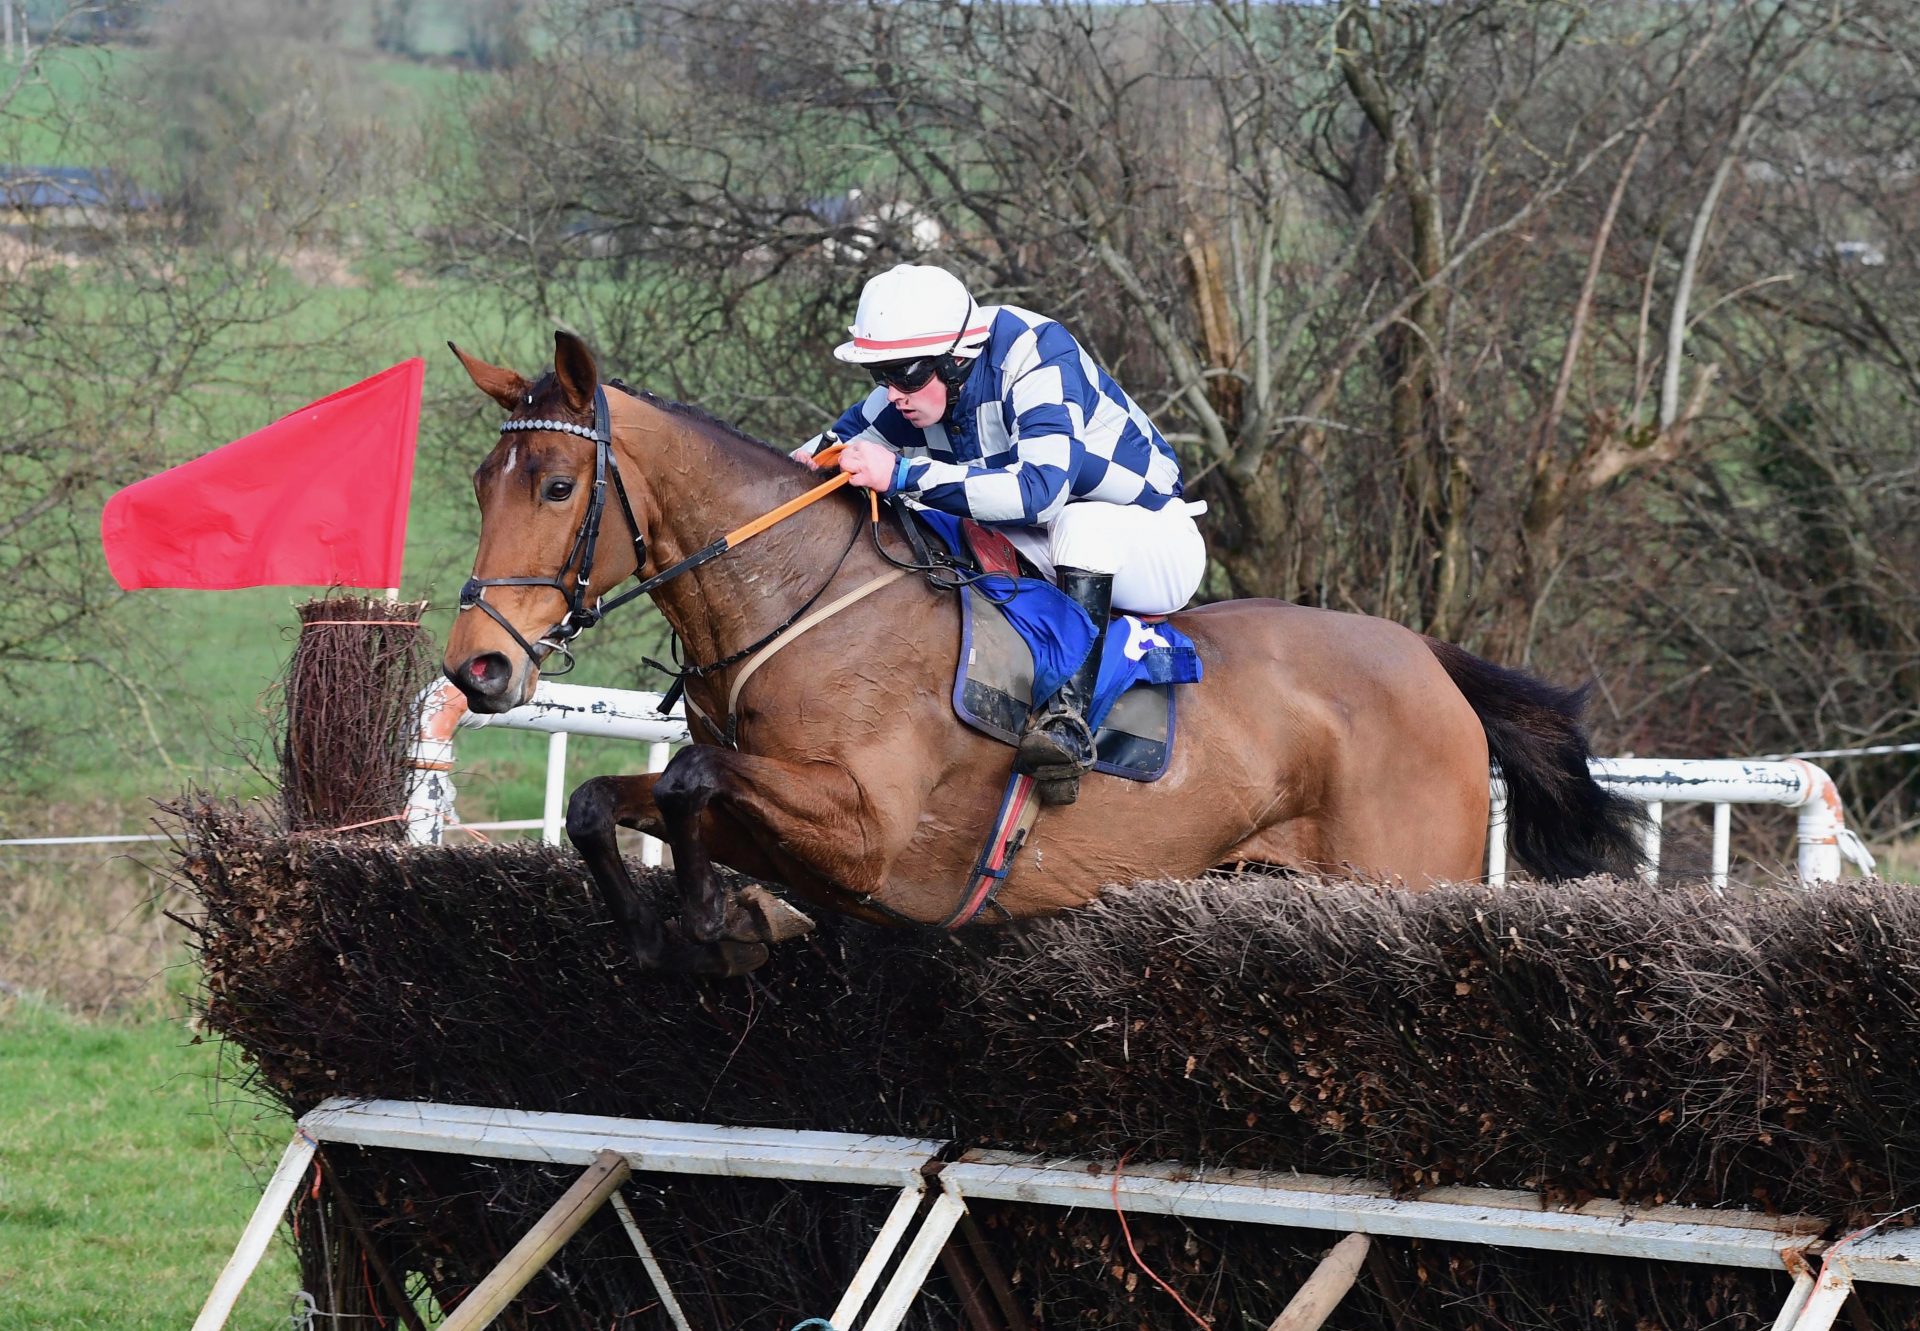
(922, 407)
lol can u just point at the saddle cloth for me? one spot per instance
(1031, 636)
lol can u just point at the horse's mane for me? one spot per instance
(546, 390)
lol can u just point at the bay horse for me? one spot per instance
(1320, 740)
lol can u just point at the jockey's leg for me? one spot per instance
(1107, 557)
(1056, 748)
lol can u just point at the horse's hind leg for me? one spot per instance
(814, 812)
(595, 811)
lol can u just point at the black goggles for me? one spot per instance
(909, 376)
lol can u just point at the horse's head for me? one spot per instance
(556, 528)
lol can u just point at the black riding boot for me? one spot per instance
(1057, 747)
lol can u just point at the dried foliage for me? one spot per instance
(1594, 1039)
(349, 694)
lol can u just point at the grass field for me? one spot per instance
(126, 1175)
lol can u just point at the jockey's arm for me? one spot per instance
(1030, 490)
(860, 421)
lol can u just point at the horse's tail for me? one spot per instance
(1563, 823)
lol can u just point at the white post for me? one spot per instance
(1656, 811)
(914, 1265)
(647, 1259)
(1497, 836)
(1796, 1299)
(556, 787)
(439, 708)
(1819, 832)
(1722, 838)
(651, 848)
(1829, 1292)
(6, 14)
(253, 1241)
(878, 1256)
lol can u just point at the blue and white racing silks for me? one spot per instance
(1036, 423)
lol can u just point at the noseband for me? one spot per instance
(580, 614)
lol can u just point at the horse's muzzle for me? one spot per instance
(488, 681)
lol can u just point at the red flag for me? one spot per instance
(317, 499)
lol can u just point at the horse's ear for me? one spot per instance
(503, 386)
(573, 366)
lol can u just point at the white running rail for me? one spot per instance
(557, 709)
(1823, 837)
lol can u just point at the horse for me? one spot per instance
(1321, 741)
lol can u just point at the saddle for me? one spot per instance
(1002, 653)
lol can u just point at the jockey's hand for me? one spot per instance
(870, 465)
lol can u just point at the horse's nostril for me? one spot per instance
(479, 670)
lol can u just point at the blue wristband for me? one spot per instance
(900, 474)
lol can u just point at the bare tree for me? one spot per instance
(1476, 314)
(121, 323)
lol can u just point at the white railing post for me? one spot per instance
(440, 708)
(1722, 843)
(652, 848)
(1824, 840)
(1497, 835)
(1650, 840)
(551, 814)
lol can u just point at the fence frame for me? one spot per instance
(1460, 1214)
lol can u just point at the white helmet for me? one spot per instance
(914, 310)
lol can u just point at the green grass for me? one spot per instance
(123, 1183)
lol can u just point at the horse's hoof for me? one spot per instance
(724, 959)
(739, 958)
(756, 915)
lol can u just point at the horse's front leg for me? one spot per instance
(594, 813)
(599, 806)
(815, 812)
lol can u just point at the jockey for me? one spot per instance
(998, 414)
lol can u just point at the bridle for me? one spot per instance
(581, 614)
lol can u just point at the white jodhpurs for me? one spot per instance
(1157, 557)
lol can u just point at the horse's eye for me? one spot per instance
(557, 489)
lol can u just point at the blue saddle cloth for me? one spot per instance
(1060, 634)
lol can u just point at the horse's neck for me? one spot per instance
(704, 483)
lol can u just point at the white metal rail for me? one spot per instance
(557, 709)
(1823, 837)
(1470, 1215)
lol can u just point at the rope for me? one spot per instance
(1126, 1232)
(822, 1323)
(402, 623)
(352, 827)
